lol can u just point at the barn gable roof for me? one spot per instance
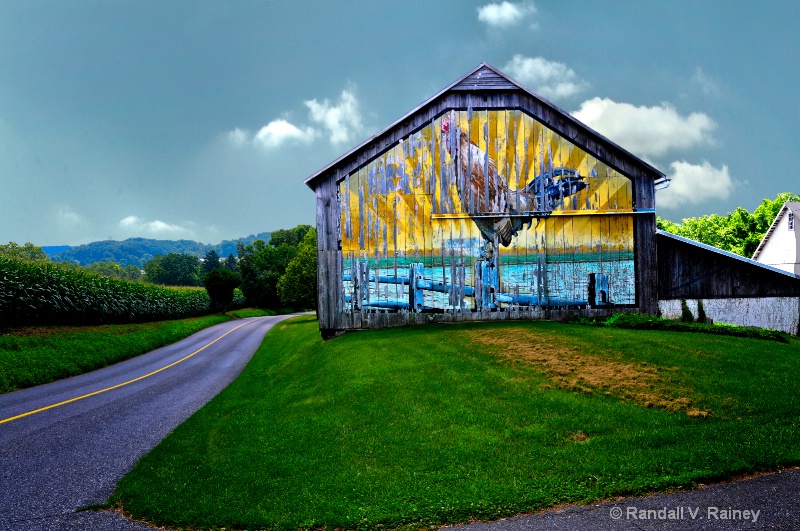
(788, 206)
(471, 90)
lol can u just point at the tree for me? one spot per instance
(152, 268)
(738, 232)
(220, 284)
(132, 273)
(298, 285)
(210, 262)
(293, 237)
(261, 266)
(173, 270)
(28, 251)
(230, 263)
(106, 269)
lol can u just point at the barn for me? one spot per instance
(485, 202)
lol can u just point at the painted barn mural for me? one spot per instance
(484, 210)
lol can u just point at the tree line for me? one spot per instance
(738, 232)
(280, 272)
(138, 251)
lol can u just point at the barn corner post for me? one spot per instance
(327, 258)
(486, 202)
(646, 247)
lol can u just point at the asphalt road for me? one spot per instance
(61, 459)
(57, 460)
(769, 501)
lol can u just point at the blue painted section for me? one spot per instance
(534, 300)
(555, 185)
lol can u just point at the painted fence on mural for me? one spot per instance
(483, 210)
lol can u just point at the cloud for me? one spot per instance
(136, 226)
(68, 218)
(646, 131)
(238, 137)
(707, 84)
(693, 183)
(280, 131)
(505, 14)
(342, 120)
(548, 78)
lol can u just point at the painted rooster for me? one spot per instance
(498, 211)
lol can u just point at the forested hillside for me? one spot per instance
(138, 251)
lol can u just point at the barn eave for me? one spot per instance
(486, 79)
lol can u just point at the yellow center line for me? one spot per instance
(9, 419)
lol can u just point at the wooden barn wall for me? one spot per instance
(687, 271)
(478, 210)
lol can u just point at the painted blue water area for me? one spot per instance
(559, 281)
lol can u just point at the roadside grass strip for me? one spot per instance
(127, 382)
(36, 355)
(419, 427)
(251, 312)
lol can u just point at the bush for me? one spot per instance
(701, 312)
(686, 313)
(637, 321)
(220, 284)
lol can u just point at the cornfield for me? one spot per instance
(45, 293)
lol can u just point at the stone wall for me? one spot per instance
(780, 313)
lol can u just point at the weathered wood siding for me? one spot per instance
(484, 203)
(690, 270)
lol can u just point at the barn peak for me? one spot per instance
(486, 87)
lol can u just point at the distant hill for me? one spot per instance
(137, 251)
(50, 250)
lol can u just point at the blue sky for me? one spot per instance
(200, 120)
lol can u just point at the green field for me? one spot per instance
(36, 355)
(418, 427)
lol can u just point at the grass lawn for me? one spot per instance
(424, 426)
(251, 312)
(35, 355)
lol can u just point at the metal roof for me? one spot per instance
(735, 256)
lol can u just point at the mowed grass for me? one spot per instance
(251, 312)
(35, 355)
(418, 427)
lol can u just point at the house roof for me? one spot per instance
(485, 77)
(793, 206)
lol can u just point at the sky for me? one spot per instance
(201, 119)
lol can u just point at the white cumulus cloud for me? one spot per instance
(136, 226)
(646, 131)
(505, 13)
(342, 120)
(695, 183)
(280, 131)
(548, 78)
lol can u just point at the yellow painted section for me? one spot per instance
(408, 199)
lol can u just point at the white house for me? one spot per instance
(780, 246)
